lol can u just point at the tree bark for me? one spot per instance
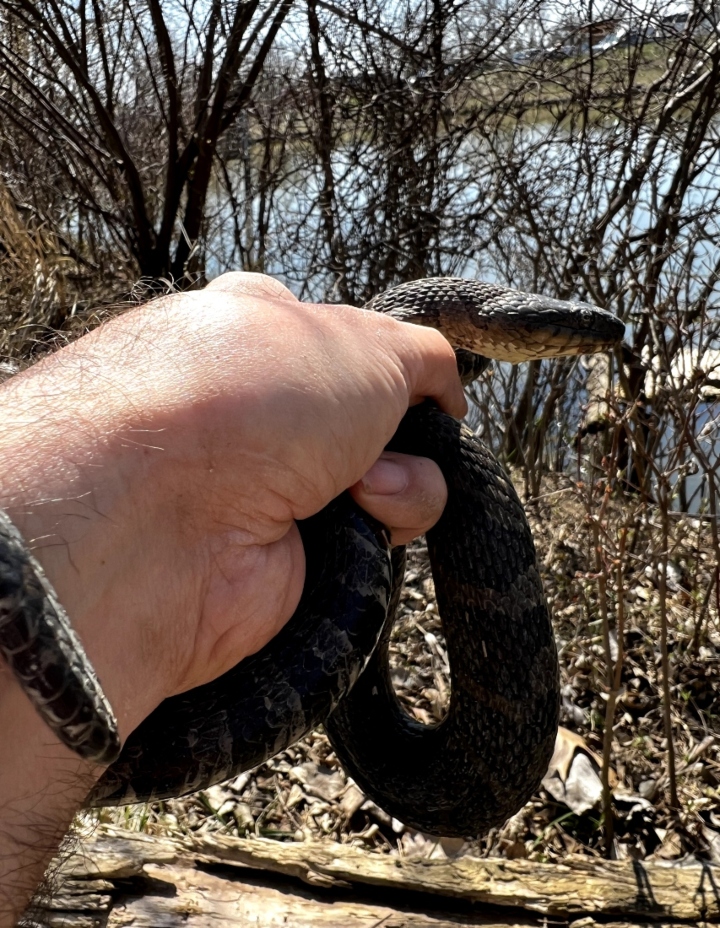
(122, 878)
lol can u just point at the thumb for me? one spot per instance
(406, 493)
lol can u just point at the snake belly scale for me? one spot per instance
(330, 664)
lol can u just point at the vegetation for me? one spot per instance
(349, 145)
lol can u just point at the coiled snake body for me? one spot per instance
(329, 664)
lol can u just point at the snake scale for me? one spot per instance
(329, 664)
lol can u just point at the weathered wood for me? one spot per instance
(598, 410)
(188, 896)
(119, 878)
(628, 888)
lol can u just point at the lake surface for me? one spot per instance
(294, 248)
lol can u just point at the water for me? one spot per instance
(483, 231)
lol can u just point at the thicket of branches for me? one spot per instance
(349, 145)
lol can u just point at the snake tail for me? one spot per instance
(47, 657)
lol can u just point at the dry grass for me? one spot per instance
(33, 288)
(49, 295)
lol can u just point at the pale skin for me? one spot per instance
(157, 467)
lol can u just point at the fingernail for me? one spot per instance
(385, 478)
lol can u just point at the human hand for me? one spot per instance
(175, 446)
(157, 465)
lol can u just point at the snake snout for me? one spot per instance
(536, 328)
(600, 323)
(573, 328)
(526, 327)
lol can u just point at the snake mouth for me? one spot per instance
(526, 327)
(549, 329)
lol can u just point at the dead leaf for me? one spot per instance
(417, 844)
(319, 781)
(220, 799)
(671, 846)
(295, 796)
(712, 839)
(352, 799)
(573, 775)
(583, 787)
(566, 743)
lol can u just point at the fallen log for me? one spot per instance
(122, 878)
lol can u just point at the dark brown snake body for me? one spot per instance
(330, 663)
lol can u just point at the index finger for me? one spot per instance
(432, 371)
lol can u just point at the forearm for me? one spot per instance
(42, 784)
(68, 487)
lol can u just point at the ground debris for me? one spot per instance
(303, 794)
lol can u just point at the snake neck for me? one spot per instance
(470, 365)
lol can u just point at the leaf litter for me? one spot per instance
(304, 794)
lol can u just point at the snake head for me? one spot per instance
(499, 323)
(532, 327)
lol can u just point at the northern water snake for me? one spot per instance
(483, 761)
